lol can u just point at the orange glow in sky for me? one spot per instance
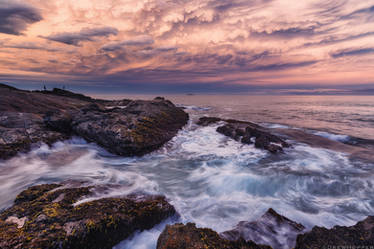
(232, 42)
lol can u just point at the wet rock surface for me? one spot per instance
(360, 235)
(247, 133)
(139, 128)
(18, 131)
(45, 216)
(271, 229)
(123, 127)
(180, 236)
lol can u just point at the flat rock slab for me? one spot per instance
(180, 236)
(45, 216)
(247, 133)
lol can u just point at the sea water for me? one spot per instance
(215, 181)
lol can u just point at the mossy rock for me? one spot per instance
(181, 236)
(45, 216)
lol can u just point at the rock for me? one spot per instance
(139, 128)
(180, 236)
(360, 235)
(65, 93)
(247, 139)
(45, 216)
(272, 229)
(205, 121)
(18, 131)
(264, 142)
(34, 192)
(227, 130)
(123, 127)
(59, 121)
(246, 132)
(20, 222)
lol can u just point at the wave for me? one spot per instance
(195, 108)
(331, 136)
(210, 179)
(145, 239)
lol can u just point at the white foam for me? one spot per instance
(144, 240)
(276, 126)
(195, 108)
(310, 159)
(210, 179)
(331, 136)
(207, 142)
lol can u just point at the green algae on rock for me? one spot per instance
(45, 216)
(181, 236)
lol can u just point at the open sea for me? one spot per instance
(215, 181)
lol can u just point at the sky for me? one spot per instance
(189, 46)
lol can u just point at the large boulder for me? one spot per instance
(272, 229)
(135, 129)
(360, 235)
(46, 216)
(247, 133)
(180, 236)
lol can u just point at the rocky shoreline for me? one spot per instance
(62, 215)
(45, 216)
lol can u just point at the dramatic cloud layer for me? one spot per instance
(15, 17)
(74, 38)
(352, 52)
(231, 44)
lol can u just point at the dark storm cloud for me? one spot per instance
(282, 66)
(87, 34)
(189, 23)
(235, 59)
(140, 41)
(14, 18)
(329, 8)
(352, 52)
(286, 33)
(166, 49)
(211, 67)
(226, 5)
(368, 11)
(31, 46)
(334, 39)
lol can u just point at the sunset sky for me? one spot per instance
(189, 45)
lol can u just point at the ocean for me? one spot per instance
(215, 181)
